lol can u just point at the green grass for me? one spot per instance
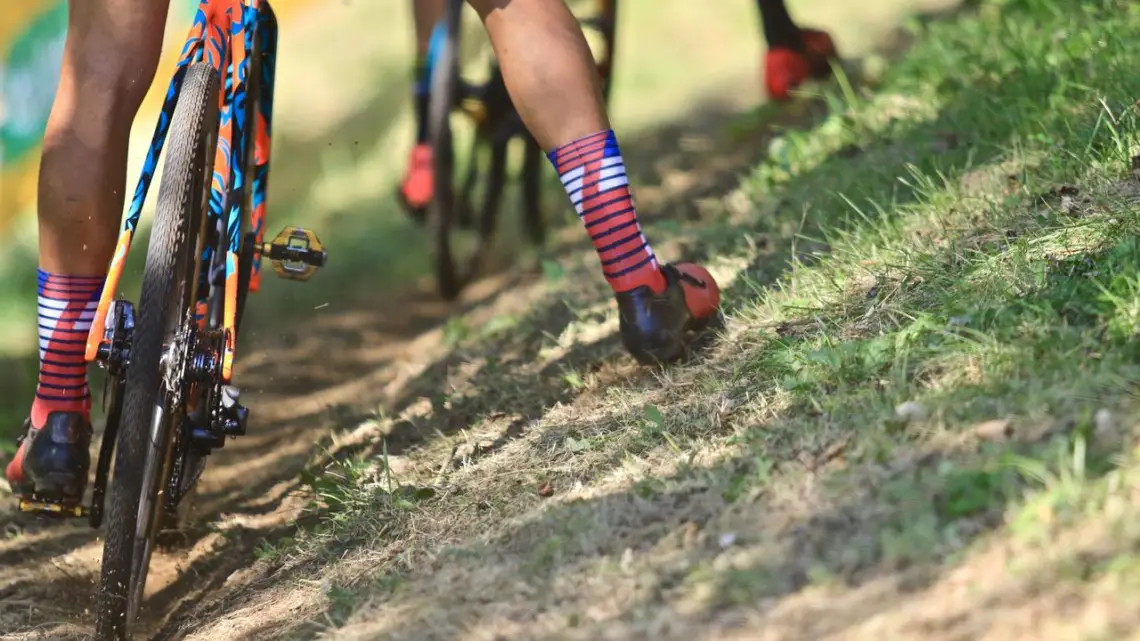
(927, 380)
(918, 422)
(934, 315)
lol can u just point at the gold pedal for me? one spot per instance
(295, 253)
(475, 109)
(52, 509)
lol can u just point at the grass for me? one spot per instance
(917, 423)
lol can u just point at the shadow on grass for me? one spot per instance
(882, 522)
(899, 523)
(509, 382)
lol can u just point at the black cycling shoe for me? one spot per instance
(52, 462)
(416, 213)
(654, 325)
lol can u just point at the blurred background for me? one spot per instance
(343, 129)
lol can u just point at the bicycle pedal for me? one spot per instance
(295, 253)
(50, 508)
(475, 109)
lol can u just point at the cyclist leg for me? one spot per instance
(109, 61)
(794, 54)
(416, 188)
(553, 82)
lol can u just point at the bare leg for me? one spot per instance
(548, 67)
(553, 81)
(109, 61)
(425, 13)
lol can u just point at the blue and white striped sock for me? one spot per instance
(593, 173)
(67, 306)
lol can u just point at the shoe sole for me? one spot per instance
(417, 214)
(55, 486)
(677, 350)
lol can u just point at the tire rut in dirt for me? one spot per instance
(184, 170)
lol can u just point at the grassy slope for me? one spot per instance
(916, 425)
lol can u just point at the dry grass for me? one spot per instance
(916, 424)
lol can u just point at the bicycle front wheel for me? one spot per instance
(165, 309)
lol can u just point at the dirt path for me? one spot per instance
(245, 493)
(303, 382)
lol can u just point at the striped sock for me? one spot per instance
(593, 173)
(66, 308)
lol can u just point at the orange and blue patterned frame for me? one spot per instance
(225, 34)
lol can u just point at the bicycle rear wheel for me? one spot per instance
(467, 191)
(603, 24)
(165, 312)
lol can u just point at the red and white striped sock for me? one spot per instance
(593, 174)
(66, 308)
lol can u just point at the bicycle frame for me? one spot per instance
(225, 33)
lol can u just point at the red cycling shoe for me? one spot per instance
(785, 69)
(418, 185)
(820, 51)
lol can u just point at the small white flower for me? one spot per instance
(911, 411)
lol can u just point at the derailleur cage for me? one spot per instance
(225, 417)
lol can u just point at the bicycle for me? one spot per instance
(494, 123)
(169, 397)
